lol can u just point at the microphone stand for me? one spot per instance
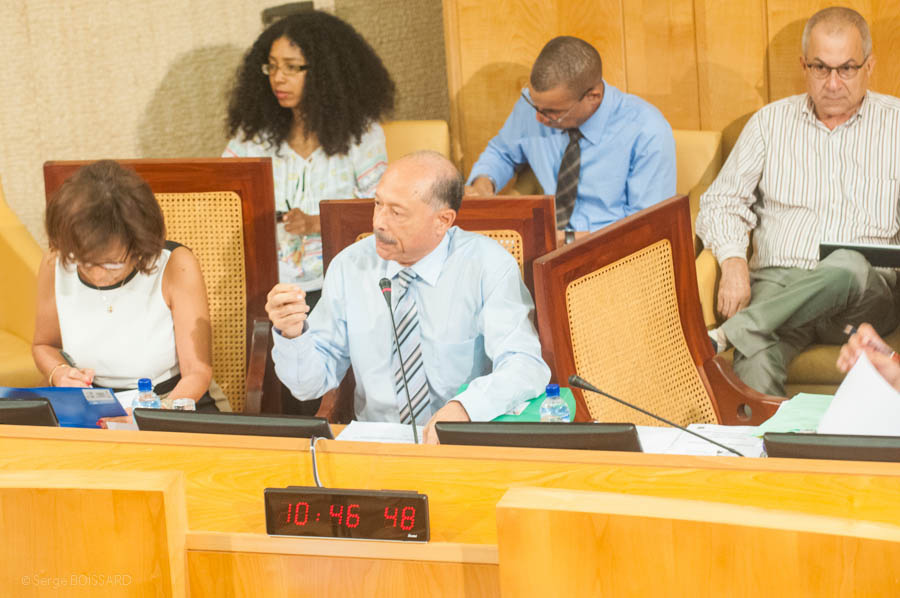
(579, 382)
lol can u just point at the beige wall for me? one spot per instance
(706, 64)
(87, 79)
(409, 37)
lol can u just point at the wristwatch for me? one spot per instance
(570, 236)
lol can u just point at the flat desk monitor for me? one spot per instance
(289, 426)
(559, 435)
(886, 256)
(838, 447)
(27, 412)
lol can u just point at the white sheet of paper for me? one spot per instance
(864, 404)
(127, 397)
(121, 425)
(657, 439)
(740, 438)
(378, 432)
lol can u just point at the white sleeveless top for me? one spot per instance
(122, 332)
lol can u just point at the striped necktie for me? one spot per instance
(406, 315)
(567, 180)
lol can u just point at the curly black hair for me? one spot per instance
(345, 89)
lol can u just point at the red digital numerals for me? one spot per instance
(407, 517)
(298, 514)
(295, 511)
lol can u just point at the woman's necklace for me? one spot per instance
(109, 304)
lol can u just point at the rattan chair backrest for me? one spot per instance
(210, 225)
(627, 340)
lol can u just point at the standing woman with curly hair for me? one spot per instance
(309, 94)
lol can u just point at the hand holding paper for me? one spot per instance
(865, 403)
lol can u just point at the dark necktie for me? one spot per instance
(567, 179)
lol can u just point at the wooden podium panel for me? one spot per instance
(225, 475)
(249, 565)
(224, 478)
(88, 533)
(582, 543)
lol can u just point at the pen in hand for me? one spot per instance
(68, 359)
(850, 330)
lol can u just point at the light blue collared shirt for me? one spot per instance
(475, 318)
(627, 157)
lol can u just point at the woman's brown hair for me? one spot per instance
(101, 204)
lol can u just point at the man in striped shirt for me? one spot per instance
(823, 166)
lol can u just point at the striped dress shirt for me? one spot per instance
(795, 184)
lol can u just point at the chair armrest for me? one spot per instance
(707, 282)
(328, 408)
(256, 365)
(737, 403)
(337, 403)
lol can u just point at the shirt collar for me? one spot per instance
(592, 128)
(429, 267)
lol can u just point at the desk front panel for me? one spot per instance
(225, 476)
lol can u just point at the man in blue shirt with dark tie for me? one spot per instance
(463, 313)
(604, 153)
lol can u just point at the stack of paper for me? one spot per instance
(864, 404)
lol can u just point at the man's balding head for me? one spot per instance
(834, 19)
(415, 203)
(435, 178)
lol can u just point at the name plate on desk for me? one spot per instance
(313, 512)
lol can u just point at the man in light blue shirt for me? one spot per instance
(472, 314)
(627, 152)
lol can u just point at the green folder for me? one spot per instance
(530, 410)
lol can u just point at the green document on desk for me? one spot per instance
(530, 409)
(800, 414)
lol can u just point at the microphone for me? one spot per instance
(579, 382)
(385, 285)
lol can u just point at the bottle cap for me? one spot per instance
(553, 390)
(145, 385)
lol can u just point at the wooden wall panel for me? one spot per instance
(661, 58)
(706, 64)
(731, 48)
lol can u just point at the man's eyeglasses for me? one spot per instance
(820, 70)
(291, 70)
(554, 116)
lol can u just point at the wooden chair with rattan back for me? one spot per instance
(525, 226)
(620, 308)
(222, 209)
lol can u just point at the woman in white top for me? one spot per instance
(309, 94)
(115, 303)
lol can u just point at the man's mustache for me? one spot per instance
(383, 238)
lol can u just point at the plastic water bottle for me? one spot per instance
(146, 399)
(554, 408)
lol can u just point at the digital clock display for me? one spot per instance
(335, 513)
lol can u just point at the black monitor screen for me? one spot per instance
(560, 435)
(290, 426)
(839, 447)
(27, 412)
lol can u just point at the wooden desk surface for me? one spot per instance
(225, 475)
